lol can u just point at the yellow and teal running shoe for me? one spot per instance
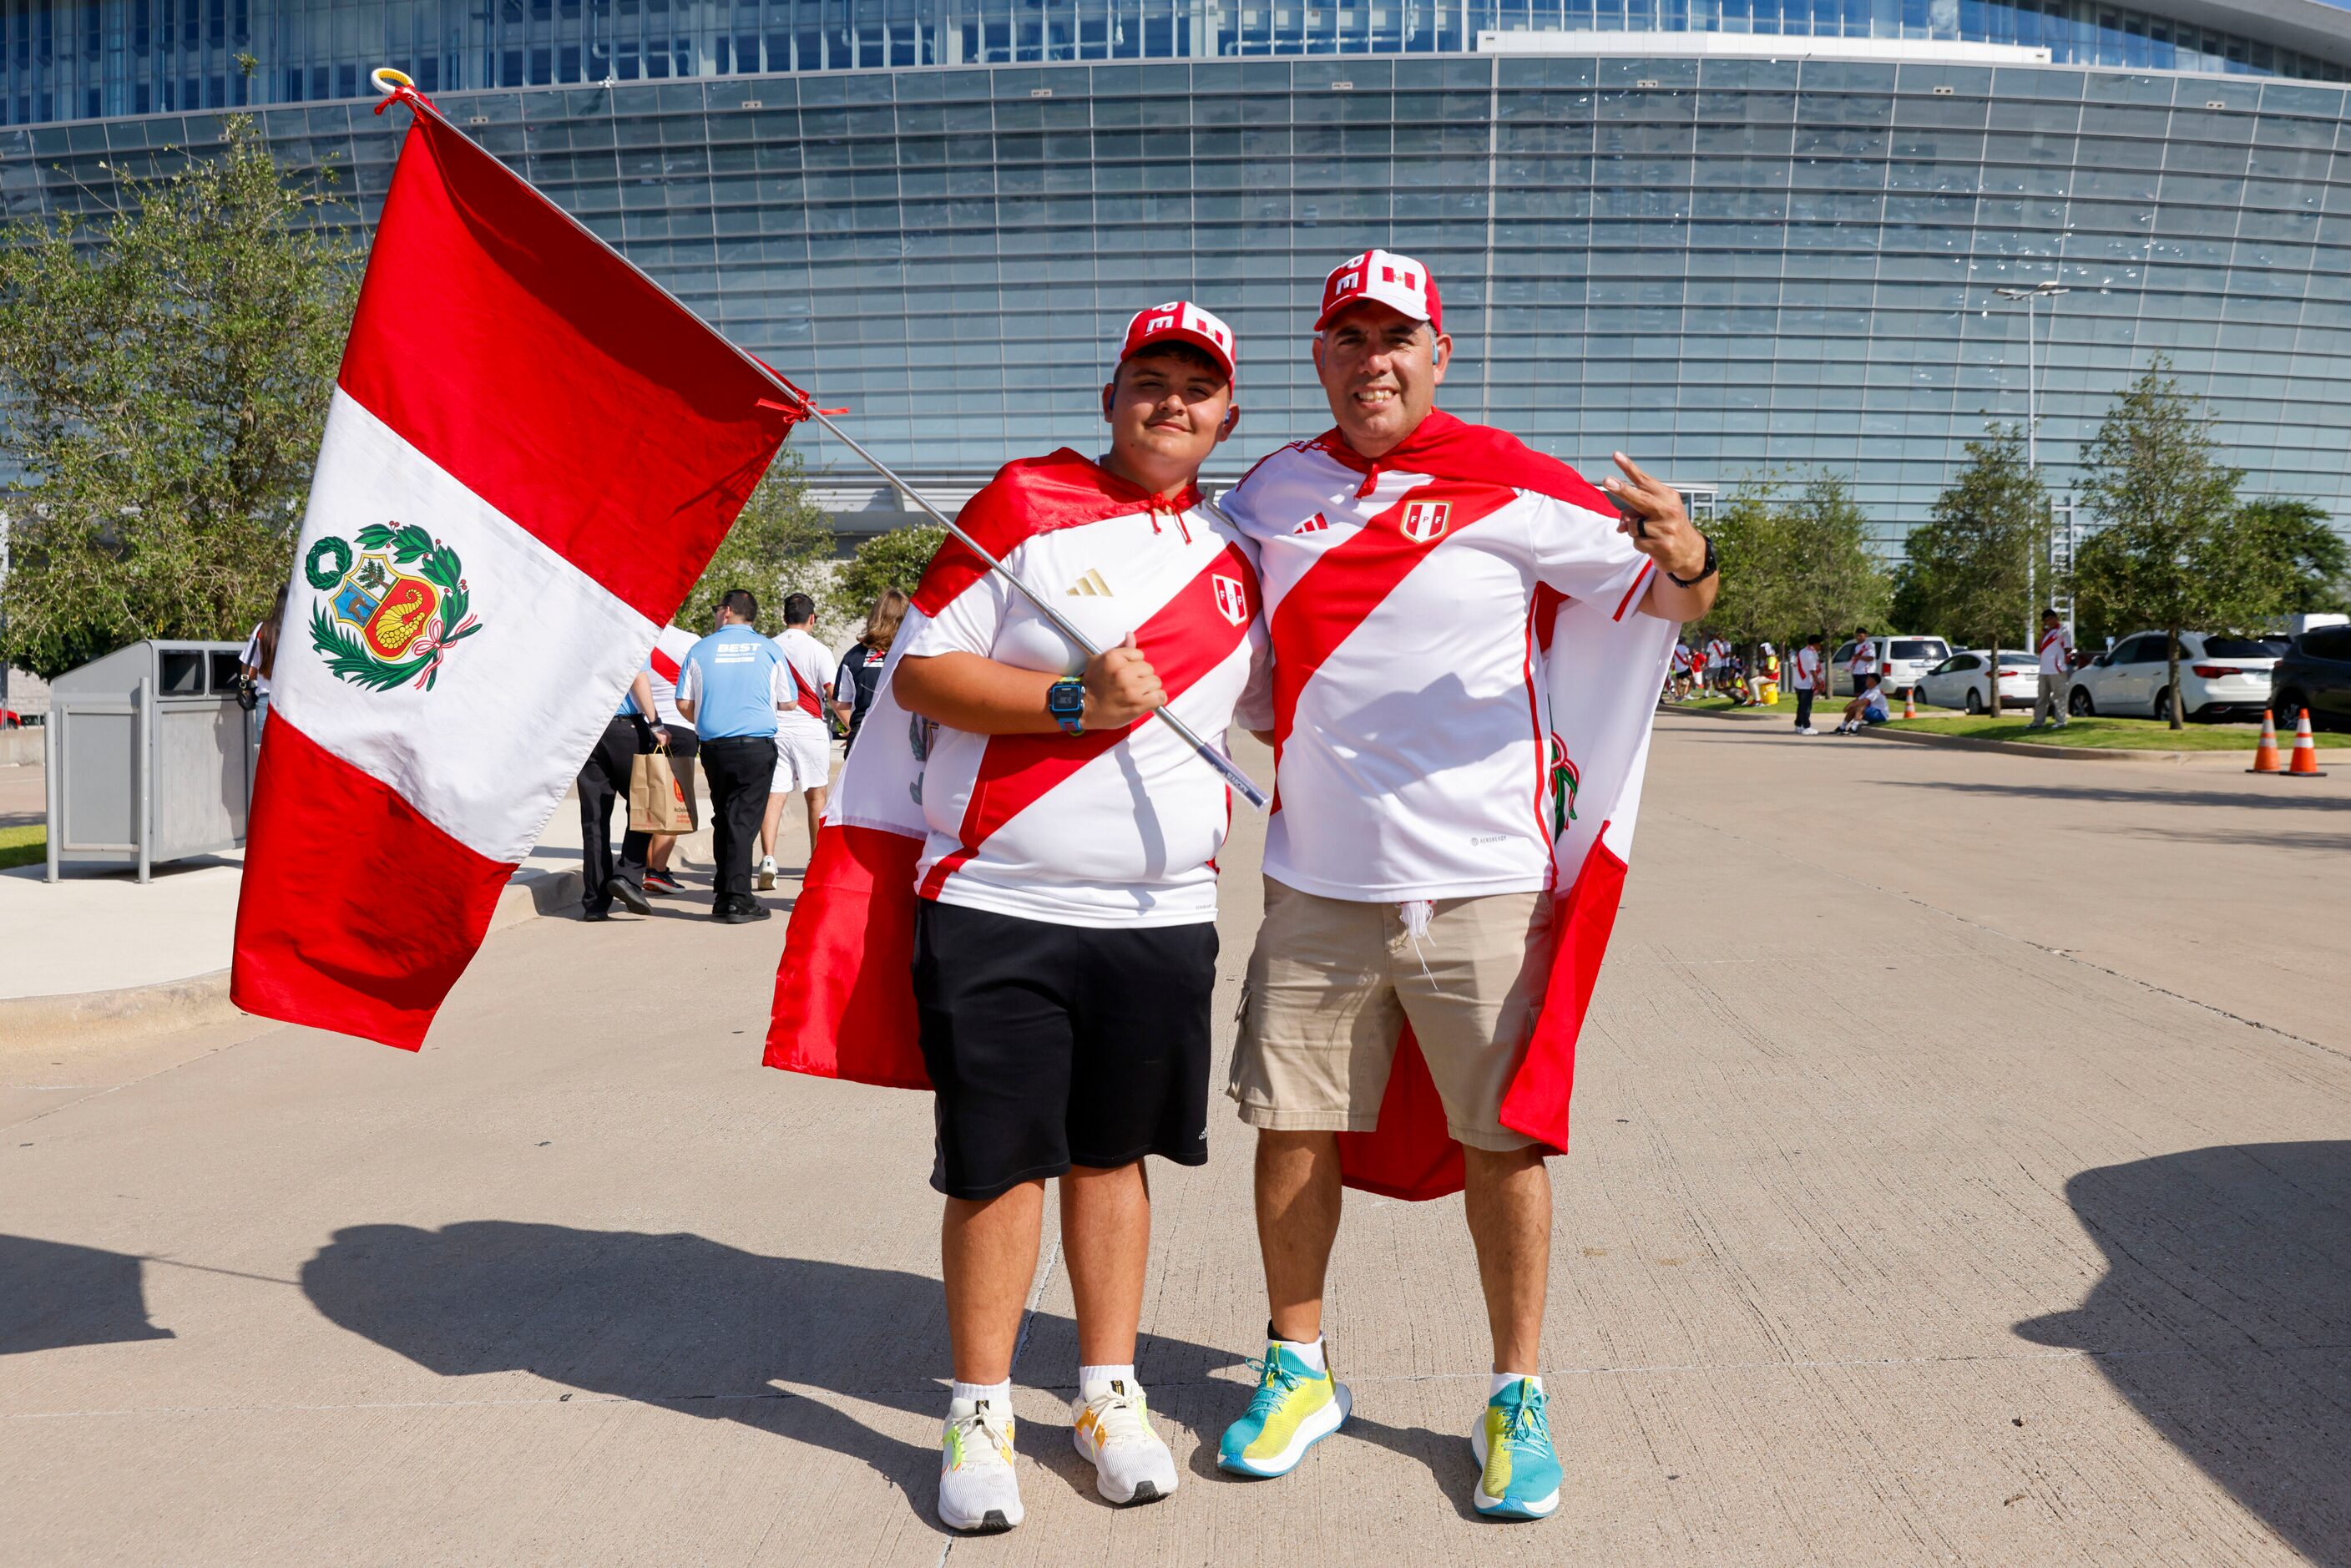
(1518, 1471)
(1295, 1408)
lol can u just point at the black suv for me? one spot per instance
(2315, 674)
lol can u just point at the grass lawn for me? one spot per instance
(24, 845)
(2110, 734)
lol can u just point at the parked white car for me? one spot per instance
(1902, 662)
(2219, 676)
(1964, 680)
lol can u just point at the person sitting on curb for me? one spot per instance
(1867, 708)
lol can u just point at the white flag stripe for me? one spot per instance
(554, 646)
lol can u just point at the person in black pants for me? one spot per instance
(738, 769)
(603, 775)
(730, 686)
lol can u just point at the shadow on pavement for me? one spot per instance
(54, 1294)
(2225, 1318)
(693, 1325)
(2264, 800)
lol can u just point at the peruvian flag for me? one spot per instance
(531, 454)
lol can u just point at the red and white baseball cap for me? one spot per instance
(1180, 321)
(1397, 281)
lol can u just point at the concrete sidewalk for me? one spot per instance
(1961, 1176)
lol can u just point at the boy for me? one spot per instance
(1065, 942)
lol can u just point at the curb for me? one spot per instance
(2005, 747)
(201, 1000)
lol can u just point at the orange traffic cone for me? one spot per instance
(2305, 751)
(1911, 702)
(2265, 756)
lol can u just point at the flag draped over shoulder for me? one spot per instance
(844, 1002)
(1601, 668)
(530, 453)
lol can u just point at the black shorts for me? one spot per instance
(1050, 1046)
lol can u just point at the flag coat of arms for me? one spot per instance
(530, 453)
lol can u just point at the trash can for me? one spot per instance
(150, 757)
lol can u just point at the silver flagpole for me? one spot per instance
(390, 82)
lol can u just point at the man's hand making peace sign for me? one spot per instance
(1662, 531)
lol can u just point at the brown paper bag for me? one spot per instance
(656, 805)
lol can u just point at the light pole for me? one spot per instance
(2032, 296)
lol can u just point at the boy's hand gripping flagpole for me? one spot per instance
(397, 87)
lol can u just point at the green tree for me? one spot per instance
(1746, 530)
(2164, 557)
(1973, 570)
(781, 543)
(894, 560)
(1825, 576)
(2292, 543)
(167, 368)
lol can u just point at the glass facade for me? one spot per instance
(72, 60)
(1730, 267)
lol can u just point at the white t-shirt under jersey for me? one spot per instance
(1067, 829)
(1413, 764)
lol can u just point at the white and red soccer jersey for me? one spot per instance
(809, 664)
(1717, 653)
(1120, 826)
(1808, 669)
(2056, 651)
(1681, 659)
(1410, 736)
(1865, 657)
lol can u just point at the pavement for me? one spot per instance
(96, 929)
(1961, 1176)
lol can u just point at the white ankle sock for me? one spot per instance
(1092, 1376)
(1311, 1354)
(997, 1394)
(1505, 1379)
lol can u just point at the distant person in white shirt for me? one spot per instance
(1718, 664)
(1804, 679)
(2056, 672)
(259, 659)
(1867, 708)
(1864, 659)
(1682, 657)
(803, 731)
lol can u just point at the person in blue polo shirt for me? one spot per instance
(729, 686)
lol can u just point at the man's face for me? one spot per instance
(1381, 369)
(1168, 409)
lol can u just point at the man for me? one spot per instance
(1718, 664)
(803, 731)
(1681, 667)
(1065, 942)
(1805, 679)
(2056, 683)
(604, 775)
(1406, 879)
(1867, 708)
(1864, 659)
(730, 686)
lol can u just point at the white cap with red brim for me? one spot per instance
(1180, 321)
(1395, 281)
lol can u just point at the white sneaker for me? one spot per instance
(1112, 1428)
(767, 877)
(1807, 730)
(978, 1488)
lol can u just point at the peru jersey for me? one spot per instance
(1411, 739)
(809, 664)
(1120, 826)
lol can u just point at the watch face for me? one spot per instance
(1065, 699)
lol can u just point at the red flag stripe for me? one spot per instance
(843, 975)
(331, 850)
(508, 347)
(1185, 639)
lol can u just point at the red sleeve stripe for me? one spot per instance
(1627, 602)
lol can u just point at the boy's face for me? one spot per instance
(1170, 408)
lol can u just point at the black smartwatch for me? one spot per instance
(1703, 576)
(1065, 699)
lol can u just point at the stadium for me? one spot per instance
(1735, 237)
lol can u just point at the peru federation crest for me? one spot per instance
(1232, 599)
(1424, 520)
(392, 612)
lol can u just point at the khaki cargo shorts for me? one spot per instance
(1333, 982)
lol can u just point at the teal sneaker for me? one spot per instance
(1295, 1408)
(1518, 1470)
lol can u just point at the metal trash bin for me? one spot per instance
(150, 757)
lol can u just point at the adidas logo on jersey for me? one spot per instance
(1091, 585)
(1316, 524)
